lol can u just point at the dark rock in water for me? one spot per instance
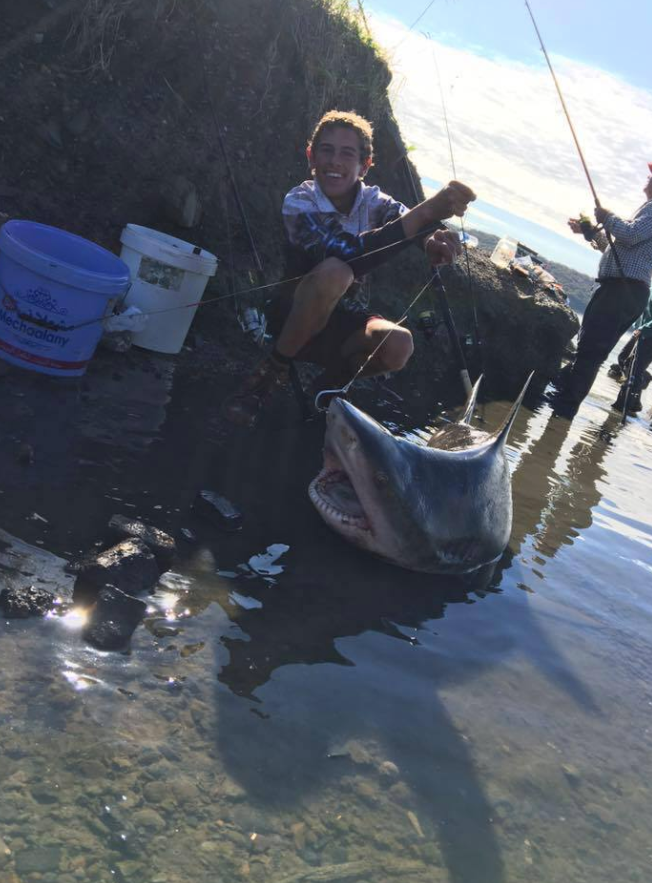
(113, 619)
(29, 601)
(161, 544)
(130, 566)
(218, 510)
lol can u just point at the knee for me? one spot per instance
(397, 349)
(330, 279)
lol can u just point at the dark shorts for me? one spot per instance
(347, 319)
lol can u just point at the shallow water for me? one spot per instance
(294, 710)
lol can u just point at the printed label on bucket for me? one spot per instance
(160, 274)
(32, 333)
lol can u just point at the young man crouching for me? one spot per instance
(338, 229)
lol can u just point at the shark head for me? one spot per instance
(440, 507)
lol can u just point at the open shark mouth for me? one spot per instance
(334, 496)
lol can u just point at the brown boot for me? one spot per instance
(245, 405)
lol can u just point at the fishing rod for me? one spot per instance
(295, 380)
(574, 134)
(563, 104)
(476, 328)
(631, 374)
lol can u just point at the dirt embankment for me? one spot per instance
(109, 102)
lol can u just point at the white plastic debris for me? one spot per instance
(131, 319)
(264, 564)
(245, 601)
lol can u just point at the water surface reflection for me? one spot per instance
(294, 710)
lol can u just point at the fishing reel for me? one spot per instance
(427, 322)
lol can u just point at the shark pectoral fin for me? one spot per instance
(500, 436)
(472, 402)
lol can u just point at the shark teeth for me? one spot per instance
(333, 495)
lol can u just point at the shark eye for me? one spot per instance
(381, 479)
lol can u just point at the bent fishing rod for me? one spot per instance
(442, 299)
(476, 329)
(295, 381)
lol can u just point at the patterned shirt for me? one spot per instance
(633, 240)
(316, 230)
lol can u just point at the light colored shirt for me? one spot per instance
(372, 209)
(633, 243)
(364, 238)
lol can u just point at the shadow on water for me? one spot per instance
(330, 593)
(551, 508)
(554, 509)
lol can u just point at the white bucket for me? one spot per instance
(168, 280)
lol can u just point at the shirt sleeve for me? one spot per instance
(319, 236)
(631, 232)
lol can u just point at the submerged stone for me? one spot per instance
(28, 601)
(161, 544)
(217, 509)
(113, 619)
(129, 566)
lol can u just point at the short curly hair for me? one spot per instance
(349, 120)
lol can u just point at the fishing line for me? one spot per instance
(413, 25)
(11, 305)
(347, 386)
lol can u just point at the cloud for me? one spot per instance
(510, 138)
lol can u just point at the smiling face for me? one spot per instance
(337, 166)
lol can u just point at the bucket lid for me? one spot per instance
(169, 250)
(64, 257)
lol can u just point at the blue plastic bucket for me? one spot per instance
(55, 289)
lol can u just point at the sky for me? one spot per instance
(481, 61)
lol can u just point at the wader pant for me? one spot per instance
(615, 305)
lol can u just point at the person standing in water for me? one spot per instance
(617, 302)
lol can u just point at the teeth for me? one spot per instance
(358, 522)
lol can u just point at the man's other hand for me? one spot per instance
(601, 214)
(574, 224)
(443, 247)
